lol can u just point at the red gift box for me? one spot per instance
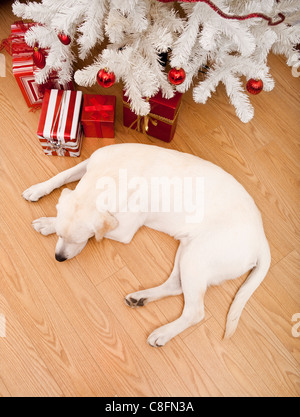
(24, 68)
(98, 115)
(160, 122)
(59, 127)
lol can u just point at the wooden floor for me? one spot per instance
(68, 330)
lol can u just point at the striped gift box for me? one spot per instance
(24, 69)
(59, 128)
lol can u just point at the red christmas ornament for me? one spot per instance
(254, 86)
(176, 76)
(38, 58)
(106, 79)
(65, 39)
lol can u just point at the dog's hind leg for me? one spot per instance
(45, 225)
(35, 192)
(193, 288)
(170, 287)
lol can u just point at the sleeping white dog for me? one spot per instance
(221, 235)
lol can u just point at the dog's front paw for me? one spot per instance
(159, 337)
(44, 225)
(134, 300)
(35, 192)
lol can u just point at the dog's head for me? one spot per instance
(76, 222)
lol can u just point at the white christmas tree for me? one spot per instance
(230, 37)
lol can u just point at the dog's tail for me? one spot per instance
(254, 279)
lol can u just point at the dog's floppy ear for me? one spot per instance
(104, 223)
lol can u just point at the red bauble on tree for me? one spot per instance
(38, 58)
(65, 39)
(106, 79)
(254, 86)
(176, 76)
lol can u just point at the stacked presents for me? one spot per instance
(24, 68)
(59, 127)
(64, 112)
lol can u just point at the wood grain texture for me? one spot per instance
(68, 330)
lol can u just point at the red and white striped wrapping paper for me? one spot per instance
(18, 45)
(59, 129)
(24, 69)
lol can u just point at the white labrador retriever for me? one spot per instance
(223, 243)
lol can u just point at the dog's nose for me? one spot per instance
(59, 257)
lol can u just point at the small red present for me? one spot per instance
(98, 115)
(160, 122)
(59, 128)
(24, 68)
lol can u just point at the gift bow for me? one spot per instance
(142, 124)
(99, 111)
(98, 108)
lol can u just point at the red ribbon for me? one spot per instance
(98, 109)
(227, 16)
